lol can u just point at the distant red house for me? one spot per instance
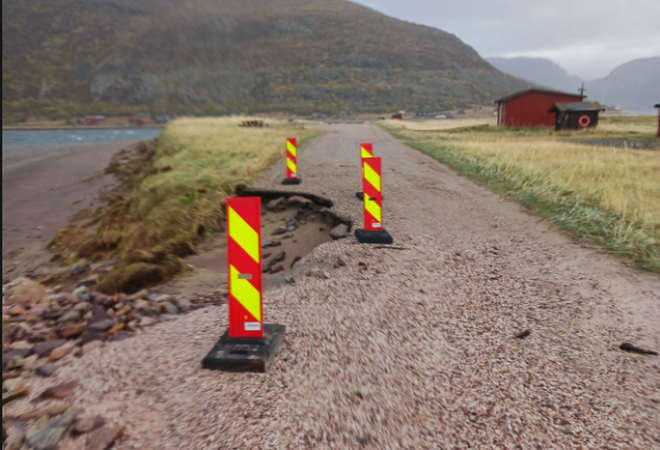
(397, 116)
(531, 108)
(140, 119)
(91, 121)
(658, 106)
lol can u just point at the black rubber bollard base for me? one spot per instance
(291, 181)
(360, 196)
(373, 237)
(245, 354)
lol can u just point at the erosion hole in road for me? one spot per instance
(293, 224)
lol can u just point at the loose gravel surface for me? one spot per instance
(409, 348)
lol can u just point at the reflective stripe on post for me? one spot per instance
(245, 266)
(366, 151)
(291, 159)
(373, 197)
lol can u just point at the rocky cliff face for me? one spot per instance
(245, 55)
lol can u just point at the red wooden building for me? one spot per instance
(140, 119)
(531, 108)
(91, 121)
(658, 106)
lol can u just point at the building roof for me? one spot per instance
(542, 91)
(577, 107)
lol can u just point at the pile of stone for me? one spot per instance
(44, 427)
(308, 211)
(252, 124)
(40, 326)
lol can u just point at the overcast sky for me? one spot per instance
(588, 38)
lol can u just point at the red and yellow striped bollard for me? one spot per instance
(366, 151)
(248, 345)
(244, 251)
(292, 176)
(372, 185)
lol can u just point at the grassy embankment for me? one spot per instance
(607, 196)
(174, 198)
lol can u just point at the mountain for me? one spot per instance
(538, 71)
(634, 86)
(235, 55)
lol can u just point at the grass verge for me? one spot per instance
(173, 196)
(606, 196)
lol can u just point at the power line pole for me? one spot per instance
(582, 90)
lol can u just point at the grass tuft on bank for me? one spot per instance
(607, 196)
(174, 195)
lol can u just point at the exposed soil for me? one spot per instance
(412, 346)
(312, 228)
(297, 244)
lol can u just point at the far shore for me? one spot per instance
(77, 127)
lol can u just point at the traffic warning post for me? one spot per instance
(292, 176)
(366, 151)
(372, 185)
(245, 277)
(248, 345)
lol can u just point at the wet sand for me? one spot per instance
(43, 186)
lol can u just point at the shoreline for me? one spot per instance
(43, 187)
(79, 128)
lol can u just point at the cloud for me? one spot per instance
(588, 37)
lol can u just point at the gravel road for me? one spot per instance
(412, 349)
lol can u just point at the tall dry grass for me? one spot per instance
(208, 158)
(627, 125)
(621, 180)
(607, 195)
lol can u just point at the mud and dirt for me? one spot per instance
(290, 231)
